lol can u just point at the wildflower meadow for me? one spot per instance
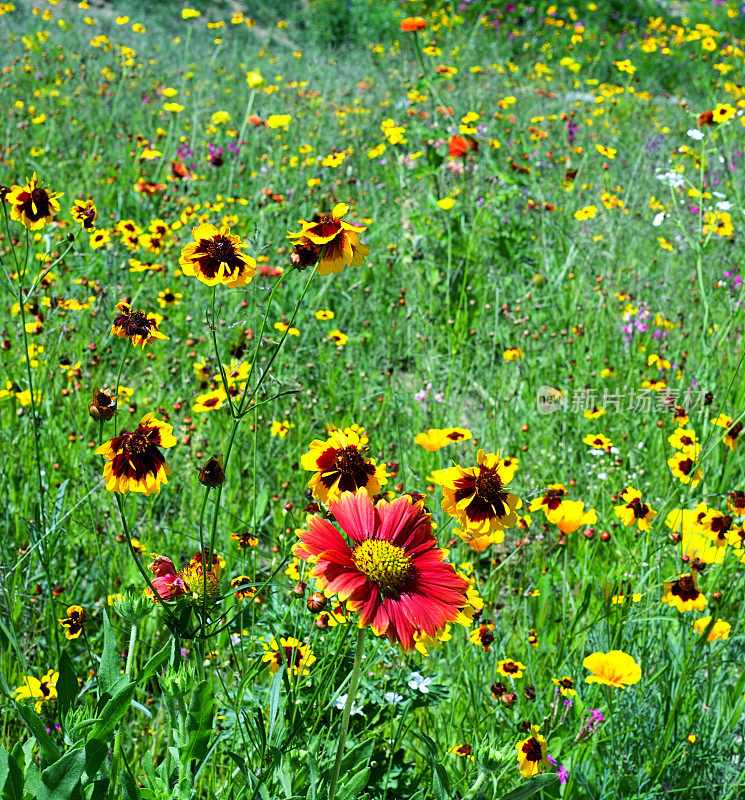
(372, 400)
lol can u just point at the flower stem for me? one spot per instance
(353, 682)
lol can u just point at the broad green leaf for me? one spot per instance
(354, 785)
(130, 791)
(199, 723)
(154, 663)
(99, 739)
(35, 724)
(67, 684)
(62, 779)
(531, 787)
(108, 671)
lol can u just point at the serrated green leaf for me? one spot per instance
(354, 785)
(199, 723)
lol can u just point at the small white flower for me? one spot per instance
(418, 682)
(602, 476)
(724, 205)
(595, 452)
(657, 221)
(615, 450)
(392, 698)
(696, 134)
(341, 701)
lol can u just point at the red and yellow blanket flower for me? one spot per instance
(32, 205)
(387, 566)
(140, 327)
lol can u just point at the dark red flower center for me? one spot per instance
(685, 588)
(211, 253)
(639, 509)
(348, 465)
(532, 750)
(134, 323)
(720, 525)
(36, 204)
(553, 498)
(136, 444)
(510, 667)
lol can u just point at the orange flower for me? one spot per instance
(460, 145)
(413, 24)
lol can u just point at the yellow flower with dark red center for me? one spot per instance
(593, 413)
(736, 502)
(210, 401)
(99, 238)
(684, 466)
(513, 354)
(44, 690)
(723, 112)
(32, 205)
(281, 429)
(550, 502)
(476, 496)
(684, 594)
(244, 587)
(483, 636)
(331, 241)
(340, 466)
(338, 337)
(632, 510)
(436, 438)
(73, 623)
(84, 212)
(571, 514)
(169, 298)
(245, 540)
(566, 685)
(731, 437)
(721, 529)
(290, 653)
(140, 327)
(134, 462)
(532, 753)
(719, 630)
(510, 668)
(615, 668)
(598, 441)
(217, 257)
(462, 750)
(389, 568)
(683, 438)
(686, 523)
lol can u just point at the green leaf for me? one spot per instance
(354, 785)
(130, 791)
(314, 775)
(35, 724)
(531, 787)
(199, 723)
(274, 700)
(440, 781)
(62, 779)
(108, 671)
(11, 774)
(358, 756)
(97, 743)
(67, 684)
(153, 664)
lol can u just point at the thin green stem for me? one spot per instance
(352, 694)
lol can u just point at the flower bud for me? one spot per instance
(212, 473)
(103, 405)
